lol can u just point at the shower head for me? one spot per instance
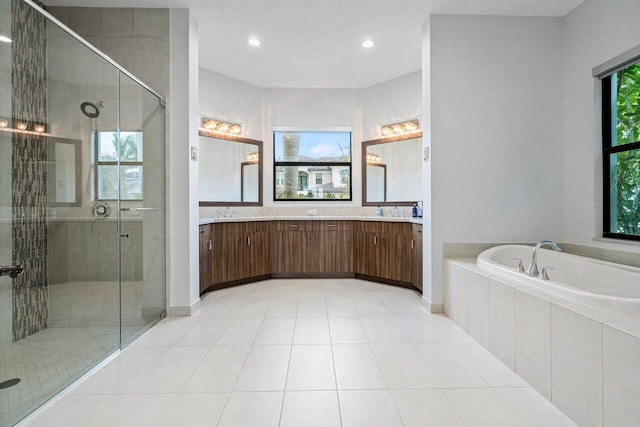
(90, 109)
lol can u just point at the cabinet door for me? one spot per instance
(365, 252)
(205, 247)
(226, 263)
(395, 257)
(256, 256)
(290, 251)
(334, 251)
(416, 267)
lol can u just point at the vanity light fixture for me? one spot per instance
(367, 43)
(220, 126)
(399, 128)
(254, 42)
(4, 39)
(253, 157)
(23, 127)
(373, 158)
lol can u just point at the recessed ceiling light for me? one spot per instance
(5, 39)
(254, 42)
(367, 43)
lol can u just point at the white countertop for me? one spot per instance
(310, 218)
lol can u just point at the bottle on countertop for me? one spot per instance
(420, 211)
(414, 210)
(378, 211)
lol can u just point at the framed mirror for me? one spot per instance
(230, 171)
(63, 171)
(392, 170)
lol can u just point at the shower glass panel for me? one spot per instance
(141, 208)
(92, 279)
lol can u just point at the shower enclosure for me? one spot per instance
(82, 208)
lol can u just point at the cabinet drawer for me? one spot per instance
(383, 227)
(292, 226)
(332, 225)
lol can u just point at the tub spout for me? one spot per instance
(533, 268)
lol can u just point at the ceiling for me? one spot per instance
(318, 44)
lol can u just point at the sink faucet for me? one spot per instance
(533, 268)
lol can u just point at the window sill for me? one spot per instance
(621, 241)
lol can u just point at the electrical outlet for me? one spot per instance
(194, 153)
(426, 153)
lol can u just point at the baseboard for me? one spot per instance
(185, 310)
(433, 308)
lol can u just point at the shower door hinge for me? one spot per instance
(162, 102)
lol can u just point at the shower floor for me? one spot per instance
(83, 329)
(46, 362)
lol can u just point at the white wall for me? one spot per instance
(183, 172)
(391, 102)
(262, 109)
(495, 94)
(593, 33)
(312, 109)
(225, 98)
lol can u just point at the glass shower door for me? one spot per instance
(141, 209)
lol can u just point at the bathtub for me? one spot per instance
(601, 284)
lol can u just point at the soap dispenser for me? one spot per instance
(414, 210)
(378, 211)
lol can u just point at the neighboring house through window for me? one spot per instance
(312, 165)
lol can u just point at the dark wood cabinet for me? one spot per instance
(313, 247)
(238, 252)
(330, 247)
(206, 247)
(290, 242)
(416, 265)
(383, 250)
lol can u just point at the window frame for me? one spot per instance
(98, 163)
(349, 164)
(608, 150)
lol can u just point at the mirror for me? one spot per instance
(392, 170)
(63, 172)
(230, 170)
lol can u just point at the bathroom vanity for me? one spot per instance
(234, 252)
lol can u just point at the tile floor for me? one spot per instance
(304, 353)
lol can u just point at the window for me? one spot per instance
(302, 155)
(621, 152)
(130, 165)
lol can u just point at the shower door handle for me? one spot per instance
(125, 209)
(12, 271)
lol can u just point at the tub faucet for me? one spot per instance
(533, 268)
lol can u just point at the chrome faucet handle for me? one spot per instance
(520, 265)
(543, 274)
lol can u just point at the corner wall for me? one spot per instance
(593, 33)
(494, 85)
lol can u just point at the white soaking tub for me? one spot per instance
(609, 286)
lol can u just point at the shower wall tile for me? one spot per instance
(84, 251)
(84, 20)
(61, 13)
(58, 255)
(147, 64)
(120, 49)
(28, 171)
(117, 21)
(147, 22)
(96, 41)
